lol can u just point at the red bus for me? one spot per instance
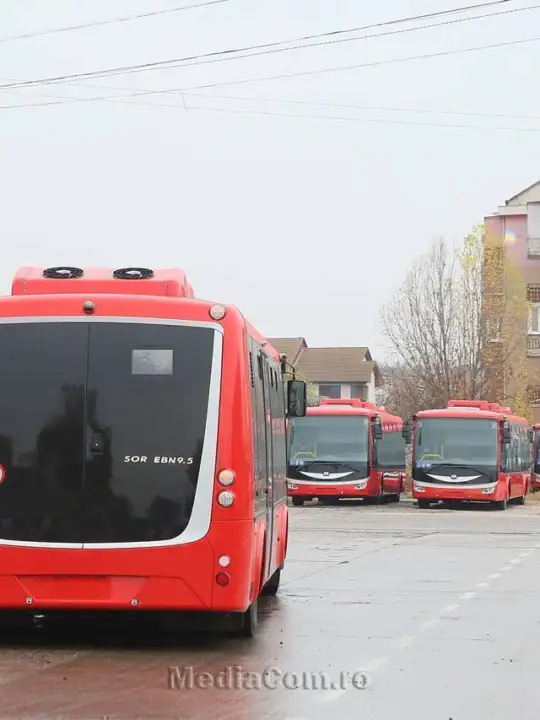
(471, 450)
(142, 448)
(346, 449)
(535, 475)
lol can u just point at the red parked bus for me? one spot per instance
(471, 450)
(346, 449)
(142, 448)
(535, 475)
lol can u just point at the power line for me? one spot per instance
(285, 101)
(180, 90)
(341, 68)
(390, 121)
(375, 108)
(111, 21)
(262, 49)
(385, 121)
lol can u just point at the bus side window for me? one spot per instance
(259, 426)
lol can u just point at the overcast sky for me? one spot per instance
(306, 223)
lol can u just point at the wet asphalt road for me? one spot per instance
(441, 608)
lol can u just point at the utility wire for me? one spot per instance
(390, 121)
(111, 21)
(257, 50)
(180, 90)
(283, 101)
(386, 121)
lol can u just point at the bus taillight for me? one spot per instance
(226, 498)
(226, 477)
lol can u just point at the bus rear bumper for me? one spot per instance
(175, 578)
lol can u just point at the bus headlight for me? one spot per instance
(488, 490)
(292, 486)
(361, 486)
(225, 498)
(419, 488)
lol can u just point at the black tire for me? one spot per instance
(272, 585)
(520, 500)
(250, 620)
(500, 504)
(424, 504)
(395, 498)
(297, 501)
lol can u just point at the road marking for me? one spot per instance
(506, 568)
(431, 623)
(406, 641)
(482, 585)
(449, 608)
(525, 554)
(495, 576)
(467, 596)
(516, 561)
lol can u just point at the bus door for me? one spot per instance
(269, 465)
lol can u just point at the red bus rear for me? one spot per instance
(142, 448)
(471, 450)
(346, 449)
(535, 475)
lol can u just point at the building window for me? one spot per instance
(358, 391)
(330, 391)
(534, 319)
(533, 395)
(533, 220)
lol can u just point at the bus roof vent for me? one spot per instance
(62, 272)
(133, 273)
(473, 404)
(171, 282)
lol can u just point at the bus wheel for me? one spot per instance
(395, 498)
(520, 500)
(250, 620)
(272, 585)
(501, 504)
(297, 501)
(424, 504)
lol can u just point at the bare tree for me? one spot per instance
(455, 325)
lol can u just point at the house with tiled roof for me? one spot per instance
(337, 372)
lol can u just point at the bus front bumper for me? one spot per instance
(484, 493)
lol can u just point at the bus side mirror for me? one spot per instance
(296, 398)
(506, 435)
(531, 436)
(406, 432)
(377, 429)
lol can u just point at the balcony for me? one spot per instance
(533, 345)
(533, 247)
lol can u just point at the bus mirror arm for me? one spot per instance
(506, 435)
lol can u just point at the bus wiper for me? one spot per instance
(457, 465)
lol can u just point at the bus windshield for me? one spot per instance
(458, 441)
(330, 438)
